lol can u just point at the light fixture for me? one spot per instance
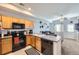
(61, 18)
(29, 9)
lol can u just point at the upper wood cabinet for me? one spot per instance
(15, 20)
(21, 21)
(31, 24)
(28, 23)
(6, 22)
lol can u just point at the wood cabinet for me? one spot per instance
(6, 22)
(31, 40)
(34, 41)
(38, 43)
(0, 23)
(0, 18)
(21, 21)
(28, 23)
(28, 40)
(5, 45)
(15, 20)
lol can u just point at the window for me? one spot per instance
(58, 27)
(70, 27)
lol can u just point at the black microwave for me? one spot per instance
(18, 26)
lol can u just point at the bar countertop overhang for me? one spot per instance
(48, 37)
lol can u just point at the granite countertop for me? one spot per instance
(48, 37)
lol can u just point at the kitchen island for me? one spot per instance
(49, 45)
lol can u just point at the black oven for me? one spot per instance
(18, 37)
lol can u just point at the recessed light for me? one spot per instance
(29, 9)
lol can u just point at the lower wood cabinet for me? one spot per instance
(34, 41)
(28, 40)
(5, 45)
(38, 43)
(31, 40)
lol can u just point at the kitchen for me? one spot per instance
(10, 36)
(23, 33)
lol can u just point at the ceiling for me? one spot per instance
(50, 11)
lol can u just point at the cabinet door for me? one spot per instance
(9, 44)
(28, 23)
(6, 45)
(31, 24)
(33, 39)
(38, 43)
(6, 22)
(0, 24)
(0, 18)
(21, 21)
(15, 20)
(28, 40)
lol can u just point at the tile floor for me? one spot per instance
(22, 51)
(70, 47)
(19, 52)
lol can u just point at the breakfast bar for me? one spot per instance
(52, 44)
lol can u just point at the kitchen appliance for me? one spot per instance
(48, 33)
(30, 31)
(18, 37)
(47, 47)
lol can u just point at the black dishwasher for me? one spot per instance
(47, 47)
